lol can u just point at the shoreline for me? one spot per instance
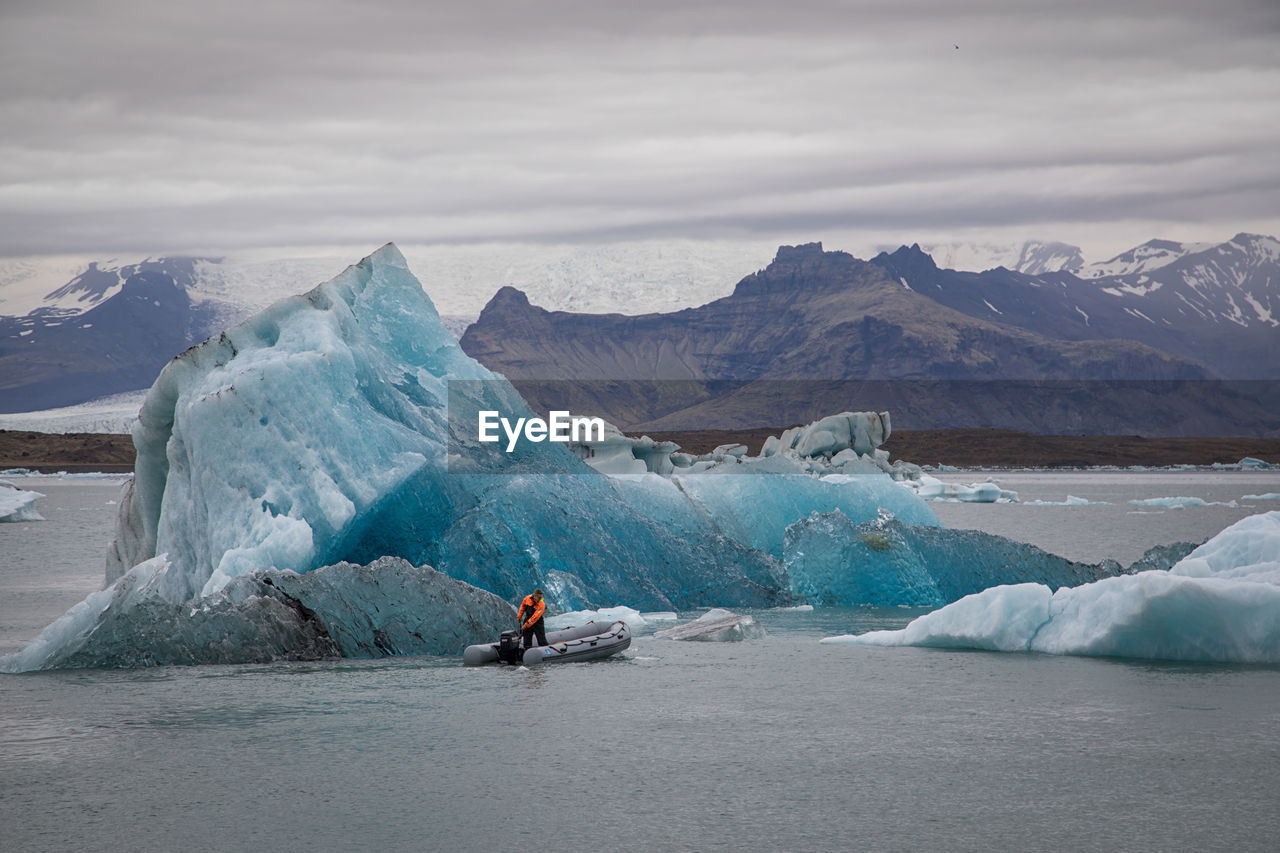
(110, 453)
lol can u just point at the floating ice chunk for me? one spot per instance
(1269, 496)
(933, 489)
(861, 432)
(18, 504)
(1219, 603)
(1178, 502)
(1071, 500)
(619, 454)
(717, 625)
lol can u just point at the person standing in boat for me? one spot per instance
(530, 616)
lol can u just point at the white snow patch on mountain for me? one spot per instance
(1151, 255)
(25, 284)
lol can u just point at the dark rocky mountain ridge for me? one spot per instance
(813, 315)
(810, 314)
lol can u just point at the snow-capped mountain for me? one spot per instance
(1236, 282)
(1150, 256)
(54, 357)
(1219, 305)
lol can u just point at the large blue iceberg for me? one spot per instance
(336, 428)
(1220, 603)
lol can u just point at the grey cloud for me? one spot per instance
(160, 126)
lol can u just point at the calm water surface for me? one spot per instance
(773, 744)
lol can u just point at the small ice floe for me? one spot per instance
(933, 489)
(18, 504)
(1179, 502)
(1071, 500)
(716, 625)
(1269, 496)
(1248, 463)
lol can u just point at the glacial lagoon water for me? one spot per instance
(773, 744)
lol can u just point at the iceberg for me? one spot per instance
(18, 504)
(716, 626)
(1220, 603)
(832, 560)
(861, 432)
(332, 427)
(339, 427)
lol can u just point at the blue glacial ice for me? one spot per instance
(333, 428)
(834, 561)
(1220, 603)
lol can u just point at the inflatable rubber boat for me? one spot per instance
(591, 641)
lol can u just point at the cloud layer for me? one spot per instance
(161, 127)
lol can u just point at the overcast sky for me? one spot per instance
(162, 127)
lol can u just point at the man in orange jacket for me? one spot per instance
(530, 616)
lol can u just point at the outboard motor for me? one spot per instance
(509, 649)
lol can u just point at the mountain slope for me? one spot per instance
(817, 332)
(1219, 306)
(809, 315)
(119, 345)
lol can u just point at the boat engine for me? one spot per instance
(509, 649)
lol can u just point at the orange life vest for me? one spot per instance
(534, 608)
